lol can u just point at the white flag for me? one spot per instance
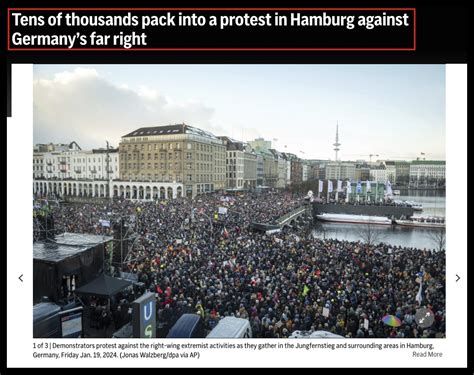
(368, 185)
(388, 188)
(339, 185)
(348, 187)
(419, 297)
(320, 186)
(329, 186)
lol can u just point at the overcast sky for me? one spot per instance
(395, 111)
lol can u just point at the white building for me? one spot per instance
(288, 172)
(391, 172)
(340, 171)
(241, 165)
(282, 166)
(305, 172)
(427, 171)
(378, 174)
(76, 165)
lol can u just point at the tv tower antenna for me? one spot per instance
(337, 144)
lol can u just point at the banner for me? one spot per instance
(368, 186)
(329, 186)
(339, 185)
(320, 187)
(105, 223)
(388, 188)
(348, 187)
(359, 187)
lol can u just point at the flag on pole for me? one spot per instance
(320, 187)
(419, 295)
(388, 188)
(359, 187)
(369, 188)
(348, 187)
(329, 186)
(339, 185)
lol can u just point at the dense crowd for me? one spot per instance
(197, 260)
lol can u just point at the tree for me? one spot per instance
(369, 234)
(438, 239)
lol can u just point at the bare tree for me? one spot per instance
(438, 239)
(369, 234)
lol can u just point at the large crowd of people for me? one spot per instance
(198, 260)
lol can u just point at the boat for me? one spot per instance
(415, 206)
(354, 219)
(421, 221)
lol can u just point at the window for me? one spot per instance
(189, 177)
(189, 146)
(188, 155)
(170, 146)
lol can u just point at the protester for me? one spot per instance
(199, 261)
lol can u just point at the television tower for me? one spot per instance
(337, 144)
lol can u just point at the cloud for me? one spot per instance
(81, 105)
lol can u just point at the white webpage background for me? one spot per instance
(20, 239)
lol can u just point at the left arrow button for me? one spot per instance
(20, 277)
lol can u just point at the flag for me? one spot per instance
(359, 187)
(320, 189)
(200, 310)
(388, 188)
(368, 186)
(305, 291)
(348, 187)
(329, 186)
(339, 185)
(419, 295)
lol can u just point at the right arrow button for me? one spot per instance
(457, 277)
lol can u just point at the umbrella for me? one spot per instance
(392, 321)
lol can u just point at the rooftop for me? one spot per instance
(66, 245)
(170, 129)
(429, 162)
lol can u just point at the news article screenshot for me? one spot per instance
(247, 186)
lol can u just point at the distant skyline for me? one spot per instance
(393, 111)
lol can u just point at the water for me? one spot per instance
(434, 204)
